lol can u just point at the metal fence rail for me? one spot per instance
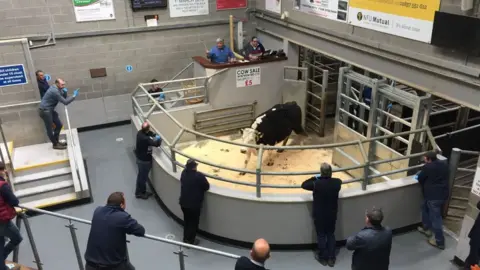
(72, 229)
(171, 151)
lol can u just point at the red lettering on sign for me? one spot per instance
(248, 82)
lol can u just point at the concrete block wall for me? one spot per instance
(156, 53)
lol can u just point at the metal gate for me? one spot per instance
(224, 120)
(295, 87)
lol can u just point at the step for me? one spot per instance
(38, 158)
(47, 202)
(463, 199)
(41, 178)
(461, 191)
(45, 191)
(4, 152)
(460, 207)
(22, 267)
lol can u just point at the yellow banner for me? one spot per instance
(418, 9)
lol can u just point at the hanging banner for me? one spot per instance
(183, 8)
(329, 9)
(412, 19)
(248, 76)
(231, 4)
(273, 6)
(93, 10)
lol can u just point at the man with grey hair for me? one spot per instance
(220, 53)
(372, 245)
(325, 205)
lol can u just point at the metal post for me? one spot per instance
(323, 103)
(366, 173)
(181, 258)
(32, 242)
(72, 229)
(174, 164)
(259, 173)
(452, 166)
(6, 150)
(18, 222)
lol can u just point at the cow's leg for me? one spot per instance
(270, 158)
(283, 144)
(247, 159)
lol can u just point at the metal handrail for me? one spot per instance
(70, 138)
(78, 254)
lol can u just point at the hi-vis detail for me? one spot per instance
(248, 76)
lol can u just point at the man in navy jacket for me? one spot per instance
(433, 179)
(107, 242)
(325, 205)
(42, 83)
(8, 201)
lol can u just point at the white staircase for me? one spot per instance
(43, 177)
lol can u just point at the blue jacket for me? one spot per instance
(371, 248)
(43, 87)
(220, 56)
(53, 96)
(8, 195)
(433, 179)
(107, 242)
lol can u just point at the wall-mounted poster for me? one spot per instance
(182, 8)
(273, 6)
(330, 9)
(148, 4)
(231, 4)
(413, 19)
(93, 10)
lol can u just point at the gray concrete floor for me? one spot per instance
(111, 168)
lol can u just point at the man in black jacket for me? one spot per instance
(433, 179)
(42, 83)
(107, 241)
(192, 192)
(325, 205)
(372, 245)
(146, 139)
(258, 255)
(474, 235)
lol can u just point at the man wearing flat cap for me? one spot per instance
(146, 140)
(193, 187)
(220, 53)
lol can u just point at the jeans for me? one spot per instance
(432, 219)
(191, 219)
(142, 176)
(10, 231)
(123, 266)
(326, 242)
(49, 118)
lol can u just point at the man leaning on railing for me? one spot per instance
(107, 241)
(8, 201)
(56, 93)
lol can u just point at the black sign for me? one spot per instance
(147, 4)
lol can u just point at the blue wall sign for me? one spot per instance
(12, 75)
(48, 77)
(129, 68)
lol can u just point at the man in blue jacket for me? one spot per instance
(433, 179)
(192, 192)
(55, 94)
(8, 201)
(325, 206)
(107, 241)
(42, 83)
(220, 53)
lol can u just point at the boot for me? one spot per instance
(59, 146)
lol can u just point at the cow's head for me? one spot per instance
(249, 136)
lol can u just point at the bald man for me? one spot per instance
(258, 255)
(55, 94)
(146, 139)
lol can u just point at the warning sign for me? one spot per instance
(248, 76)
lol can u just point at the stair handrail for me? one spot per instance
(71, 219)
(70, 138)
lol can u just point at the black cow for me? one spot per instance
(272, 127)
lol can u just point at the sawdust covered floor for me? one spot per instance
(288, 161)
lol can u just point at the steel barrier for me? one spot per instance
(71, 226)
(170, 150)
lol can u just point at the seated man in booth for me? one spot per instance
(221, 53)
(253, 50)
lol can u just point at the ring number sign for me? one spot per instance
(248, 76)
